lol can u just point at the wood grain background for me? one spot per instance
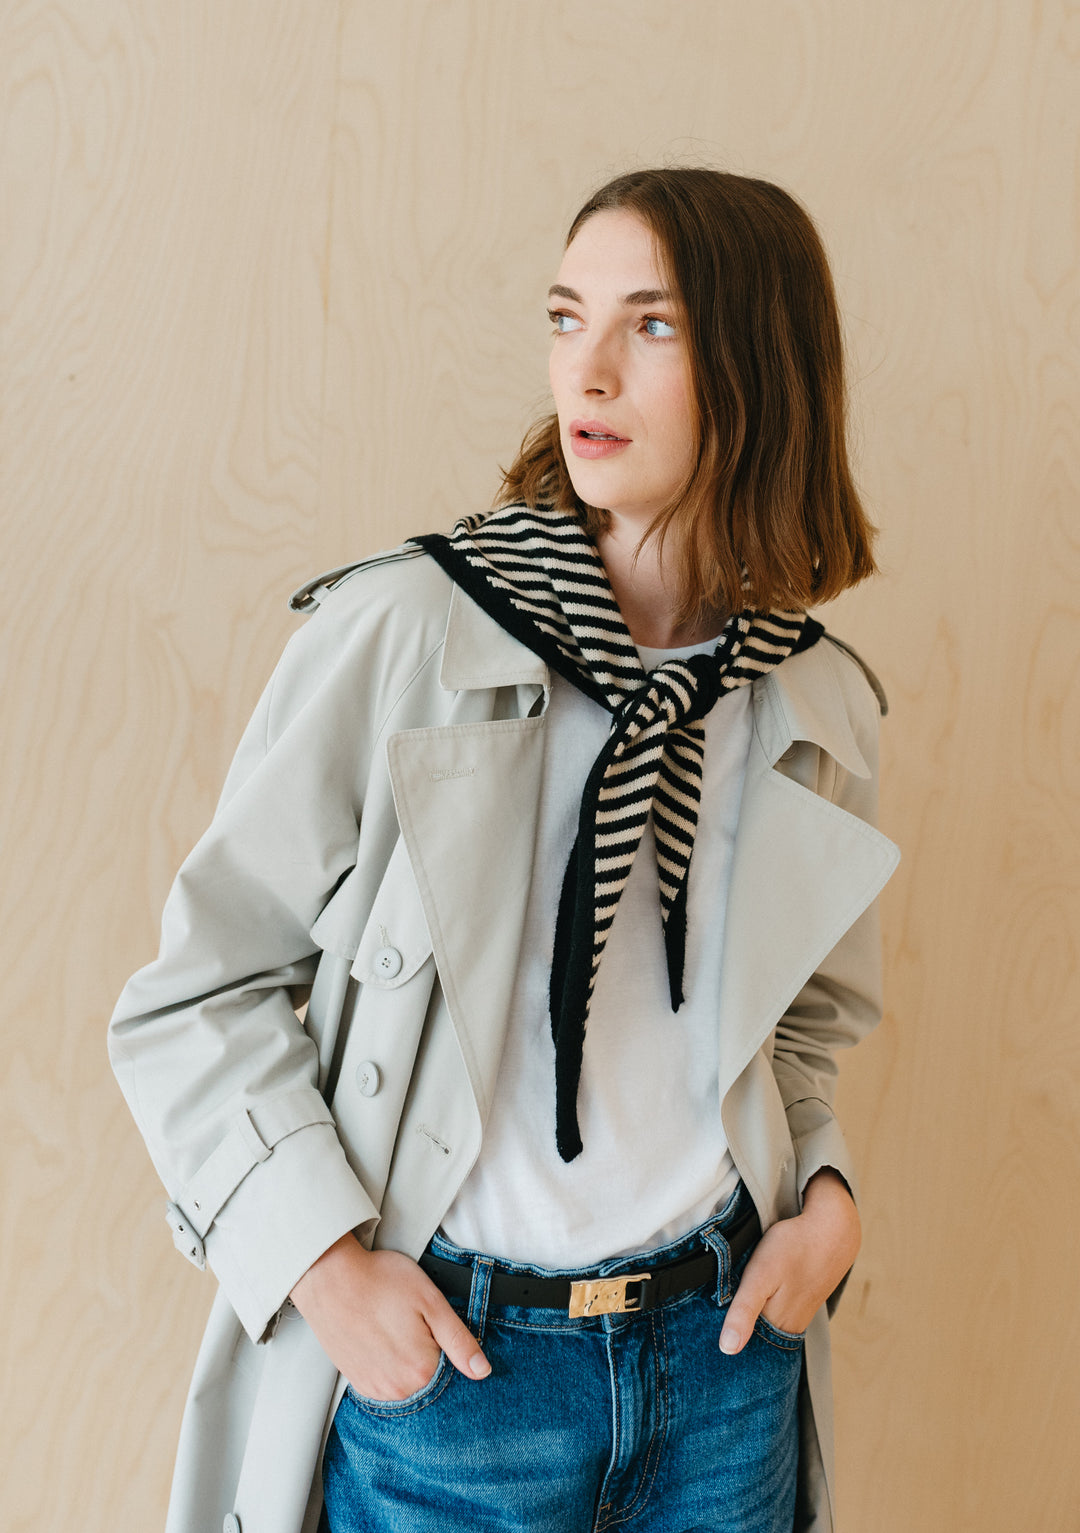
(272, 295)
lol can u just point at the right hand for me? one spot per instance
(382, 1321)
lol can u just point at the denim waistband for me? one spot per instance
(709, 1234)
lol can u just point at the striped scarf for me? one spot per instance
(539, 575)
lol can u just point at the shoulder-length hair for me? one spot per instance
(769, 515)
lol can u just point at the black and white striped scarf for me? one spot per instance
(539, 575)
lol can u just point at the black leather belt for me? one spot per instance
(596, 1295)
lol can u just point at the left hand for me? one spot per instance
(797, 1263)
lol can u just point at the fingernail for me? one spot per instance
(729, 1341)
(479, 1366)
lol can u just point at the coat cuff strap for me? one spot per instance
(249, 1142)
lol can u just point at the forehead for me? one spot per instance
(613, 250)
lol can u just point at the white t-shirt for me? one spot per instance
(655, 1161)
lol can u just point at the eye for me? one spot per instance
(663, 331)
(563, 321)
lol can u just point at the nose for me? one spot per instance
(595, 368)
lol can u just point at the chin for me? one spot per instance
(626, 506)
(600, 490)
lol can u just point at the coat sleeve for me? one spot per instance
(842, 1002)
(209, 1052)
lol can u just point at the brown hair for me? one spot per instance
(769, 516)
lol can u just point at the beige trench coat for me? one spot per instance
(371, 854)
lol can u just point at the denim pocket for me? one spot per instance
(785, 1341)
(415, 1402)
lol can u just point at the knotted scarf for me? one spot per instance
(540, 576)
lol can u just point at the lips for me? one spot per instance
(593, 431)
(595, 439)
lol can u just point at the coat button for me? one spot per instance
(388, 962)
(368, 1078)
(231, 1523)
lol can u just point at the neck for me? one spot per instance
(645, 597)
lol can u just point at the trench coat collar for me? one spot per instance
(477, 652)
(800, 700)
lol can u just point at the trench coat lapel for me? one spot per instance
(803, 869)
(467, 796)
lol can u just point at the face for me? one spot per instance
(620, 370)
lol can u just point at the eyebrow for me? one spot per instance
(631, 300)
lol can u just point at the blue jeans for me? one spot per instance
(583, 1424)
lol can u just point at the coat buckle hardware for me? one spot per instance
(605, 1296)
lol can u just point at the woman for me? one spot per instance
(563, 825)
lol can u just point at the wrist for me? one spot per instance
(326, 1268)
(829, 1211)
(827, 1187)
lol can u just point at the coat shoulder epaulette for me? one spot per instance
(310, 595)
(875, 684)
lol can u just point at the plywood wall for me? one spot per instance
(272, 295)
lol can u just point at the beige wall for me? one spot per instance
(272, 278)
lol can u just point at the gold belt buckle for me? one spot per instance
(605, 1296)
